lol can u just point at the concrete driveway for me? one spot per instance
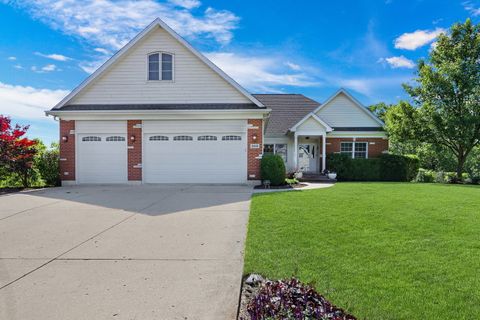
(122, 252)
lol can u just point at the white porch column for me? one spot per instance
(295, 151)
(324, 151)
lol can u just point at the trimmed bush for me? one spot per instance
(272, 168)
(385, 168)
(399, 168)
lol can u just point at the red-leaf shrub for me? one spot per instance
(290, 299)
(16, 151)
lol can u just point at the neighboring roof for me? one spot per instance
(156, 23)
(287, 110)
(355, 102)
(169, 106)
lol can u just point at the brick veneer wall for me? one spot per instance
(378, 147)
(67, 150)
(134, 150)
(253, 161)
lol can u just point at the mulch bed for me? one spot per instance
(285, 299)
(285, 186)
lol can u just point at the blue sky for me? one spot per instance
(370, 47)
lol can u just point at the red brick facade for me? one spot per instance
(376, 146)
(67, 150)
(254, 139)
(134, 129)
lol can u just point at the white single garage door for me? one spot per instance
(101, 157)
(195, 152)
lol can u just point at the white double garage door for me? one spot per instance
(194, 151)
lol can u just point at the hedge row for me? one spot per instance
(387, 167)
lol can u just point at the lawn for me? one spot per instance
(378, 250)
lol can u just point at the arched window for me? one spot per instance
(183, 138)
(231, 138)
(158, 138)
(160, 66)
(115, 138)
(91, 138)
(207, 138)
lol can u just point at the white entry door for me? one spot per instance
(195, 158)
(307, 157)
(102, 158)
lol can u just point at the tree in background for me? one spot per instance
(16, 151)
(446, 95)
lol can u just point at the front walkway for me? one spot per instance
(122, 252)
(310, 186)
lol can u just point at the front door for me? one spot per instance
(307, 157)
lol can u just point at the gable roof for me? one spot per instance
(314, 117)
(287, 110)
(355, 102)
(156, 23)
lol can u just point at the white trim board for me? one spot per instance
(156, 23)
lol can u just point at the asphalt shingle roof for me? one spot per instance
(287, 110)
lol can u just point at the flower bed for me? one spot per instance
(286, 299)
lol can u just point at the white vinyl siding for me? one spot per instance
(126, 80)
(343, 112)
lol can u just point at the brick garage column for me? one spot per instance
(134, 129)
(376, 146)
(67, 150)
(254, 148)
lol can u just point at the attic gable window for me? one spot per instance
(160, 66)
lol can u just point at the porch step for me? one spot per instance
(316, 177)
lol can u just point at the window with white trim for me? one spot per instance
(207, 138)
(183, 138)
(115, 138)
(91, 138)
(276, 148)
(357, 150)
(158, 138)
(160, 66)
(231, 138)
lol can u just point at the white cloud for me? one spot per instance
(293, 66)
(400, 62)
(369, 86)
(12, 58)
(188, 4)
(102, 51)
(18, 66)
(44, 69)
(417, 39)
(28, 102)
(471, 8)
(111, 24)
(54, 56)
(260, 73)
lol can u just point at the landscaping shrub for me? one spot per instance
(399, 168)
(272, 168)
(47, 163)
(425, 176)
(290, 299)
(386, 168)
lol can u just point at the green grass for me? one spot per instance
(379, 250)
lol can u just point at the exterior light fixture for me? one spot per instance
(65, 138)
(254, 137)
(132, 138)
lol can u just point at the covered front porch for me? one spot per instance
(309, 144)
